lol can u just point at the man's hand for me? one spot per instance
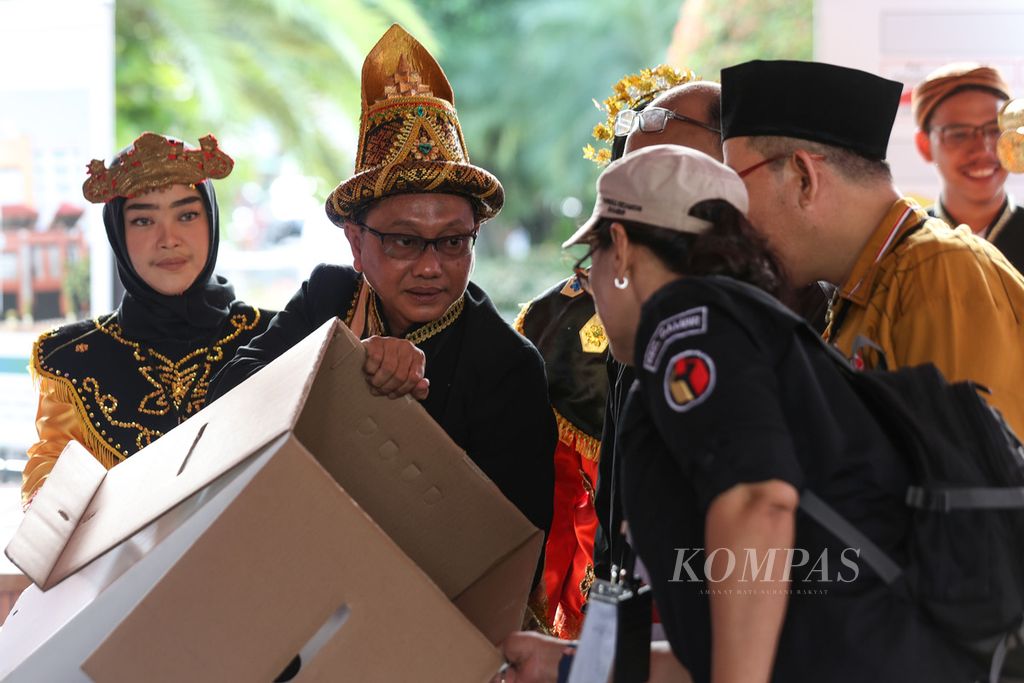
(532, 658)
(395, 367)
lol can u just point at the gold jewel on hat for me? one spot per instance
(631, 91)
(1010, 147)
(153, 162)
(410, 139)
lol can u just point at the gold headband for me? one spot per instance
(153, 162)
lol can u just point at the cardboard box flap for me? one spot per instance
(417, 484)
(55, 512)
(306, 551)
(494, 603)
(194, 454)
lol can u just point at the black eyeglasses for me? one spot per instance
(652, 120)
(405, 247)
(583, 272)
(956, 135)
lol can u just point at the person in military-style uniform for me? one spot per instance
(564, 326)
(411, 214)
(118, 382)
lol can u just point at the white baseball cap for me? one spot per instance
(658, 185)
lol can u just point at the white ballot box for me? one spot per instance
(297, 514)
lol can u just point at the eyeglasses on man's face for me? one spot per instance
(652, 120)
(778, 157)
(957, 135)
(405, 247)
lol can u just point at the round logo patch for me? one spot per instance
(689, 379)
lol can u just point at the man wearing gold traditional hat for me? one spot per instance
(411, 214)
(956, 108)
(119, 382)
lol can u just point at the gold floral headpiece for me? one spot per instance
(153, 162)
(632, 91)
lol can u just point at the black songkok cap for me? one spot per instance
(823, 103)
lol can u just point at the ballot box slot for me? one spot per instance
(191, 450)
(295, 669)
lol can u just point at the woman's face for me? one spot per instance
(167, 234)
(618, 309)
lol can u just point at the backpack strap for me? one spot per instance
(995, 669)
(967, 498)
(825, 515)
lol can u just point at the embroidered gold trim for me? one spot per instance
(537, 617)
(355, 300)
(107, 404)
(519, 324)
(176, 378)
(587, 581)
(574, 437)
(375, 322)
(187, 386)
(424, 333)
(108, 454)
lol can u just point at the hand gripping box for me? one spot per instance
(297, 514)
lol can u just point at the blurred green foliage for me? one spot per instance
(280, 76)
(526, 73)
(720, 33)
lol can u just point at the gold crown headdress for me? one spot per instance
(410, 139)
(631, 91)
(1010, 147)
(153, 162)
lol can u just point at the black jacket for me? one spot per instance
(487, 385)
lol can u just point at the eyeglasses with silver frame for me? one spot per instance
(956, 135)
(653, 120)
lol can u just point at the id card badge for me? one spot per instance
(615, 645)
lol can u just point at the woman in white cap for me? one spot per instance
(733, 415)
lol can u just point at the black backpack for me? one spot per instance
(966, 543)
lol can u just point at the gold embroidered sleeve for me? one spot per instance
(58, 421)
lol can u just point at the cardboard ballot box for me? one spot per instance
(297, 514)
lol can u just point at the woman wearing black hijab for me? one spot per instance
(120, 381)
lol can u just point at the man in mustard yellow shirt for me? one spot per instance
(810, 141)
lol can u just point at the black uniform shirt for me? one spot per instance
(487, 385)
(726, 393)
